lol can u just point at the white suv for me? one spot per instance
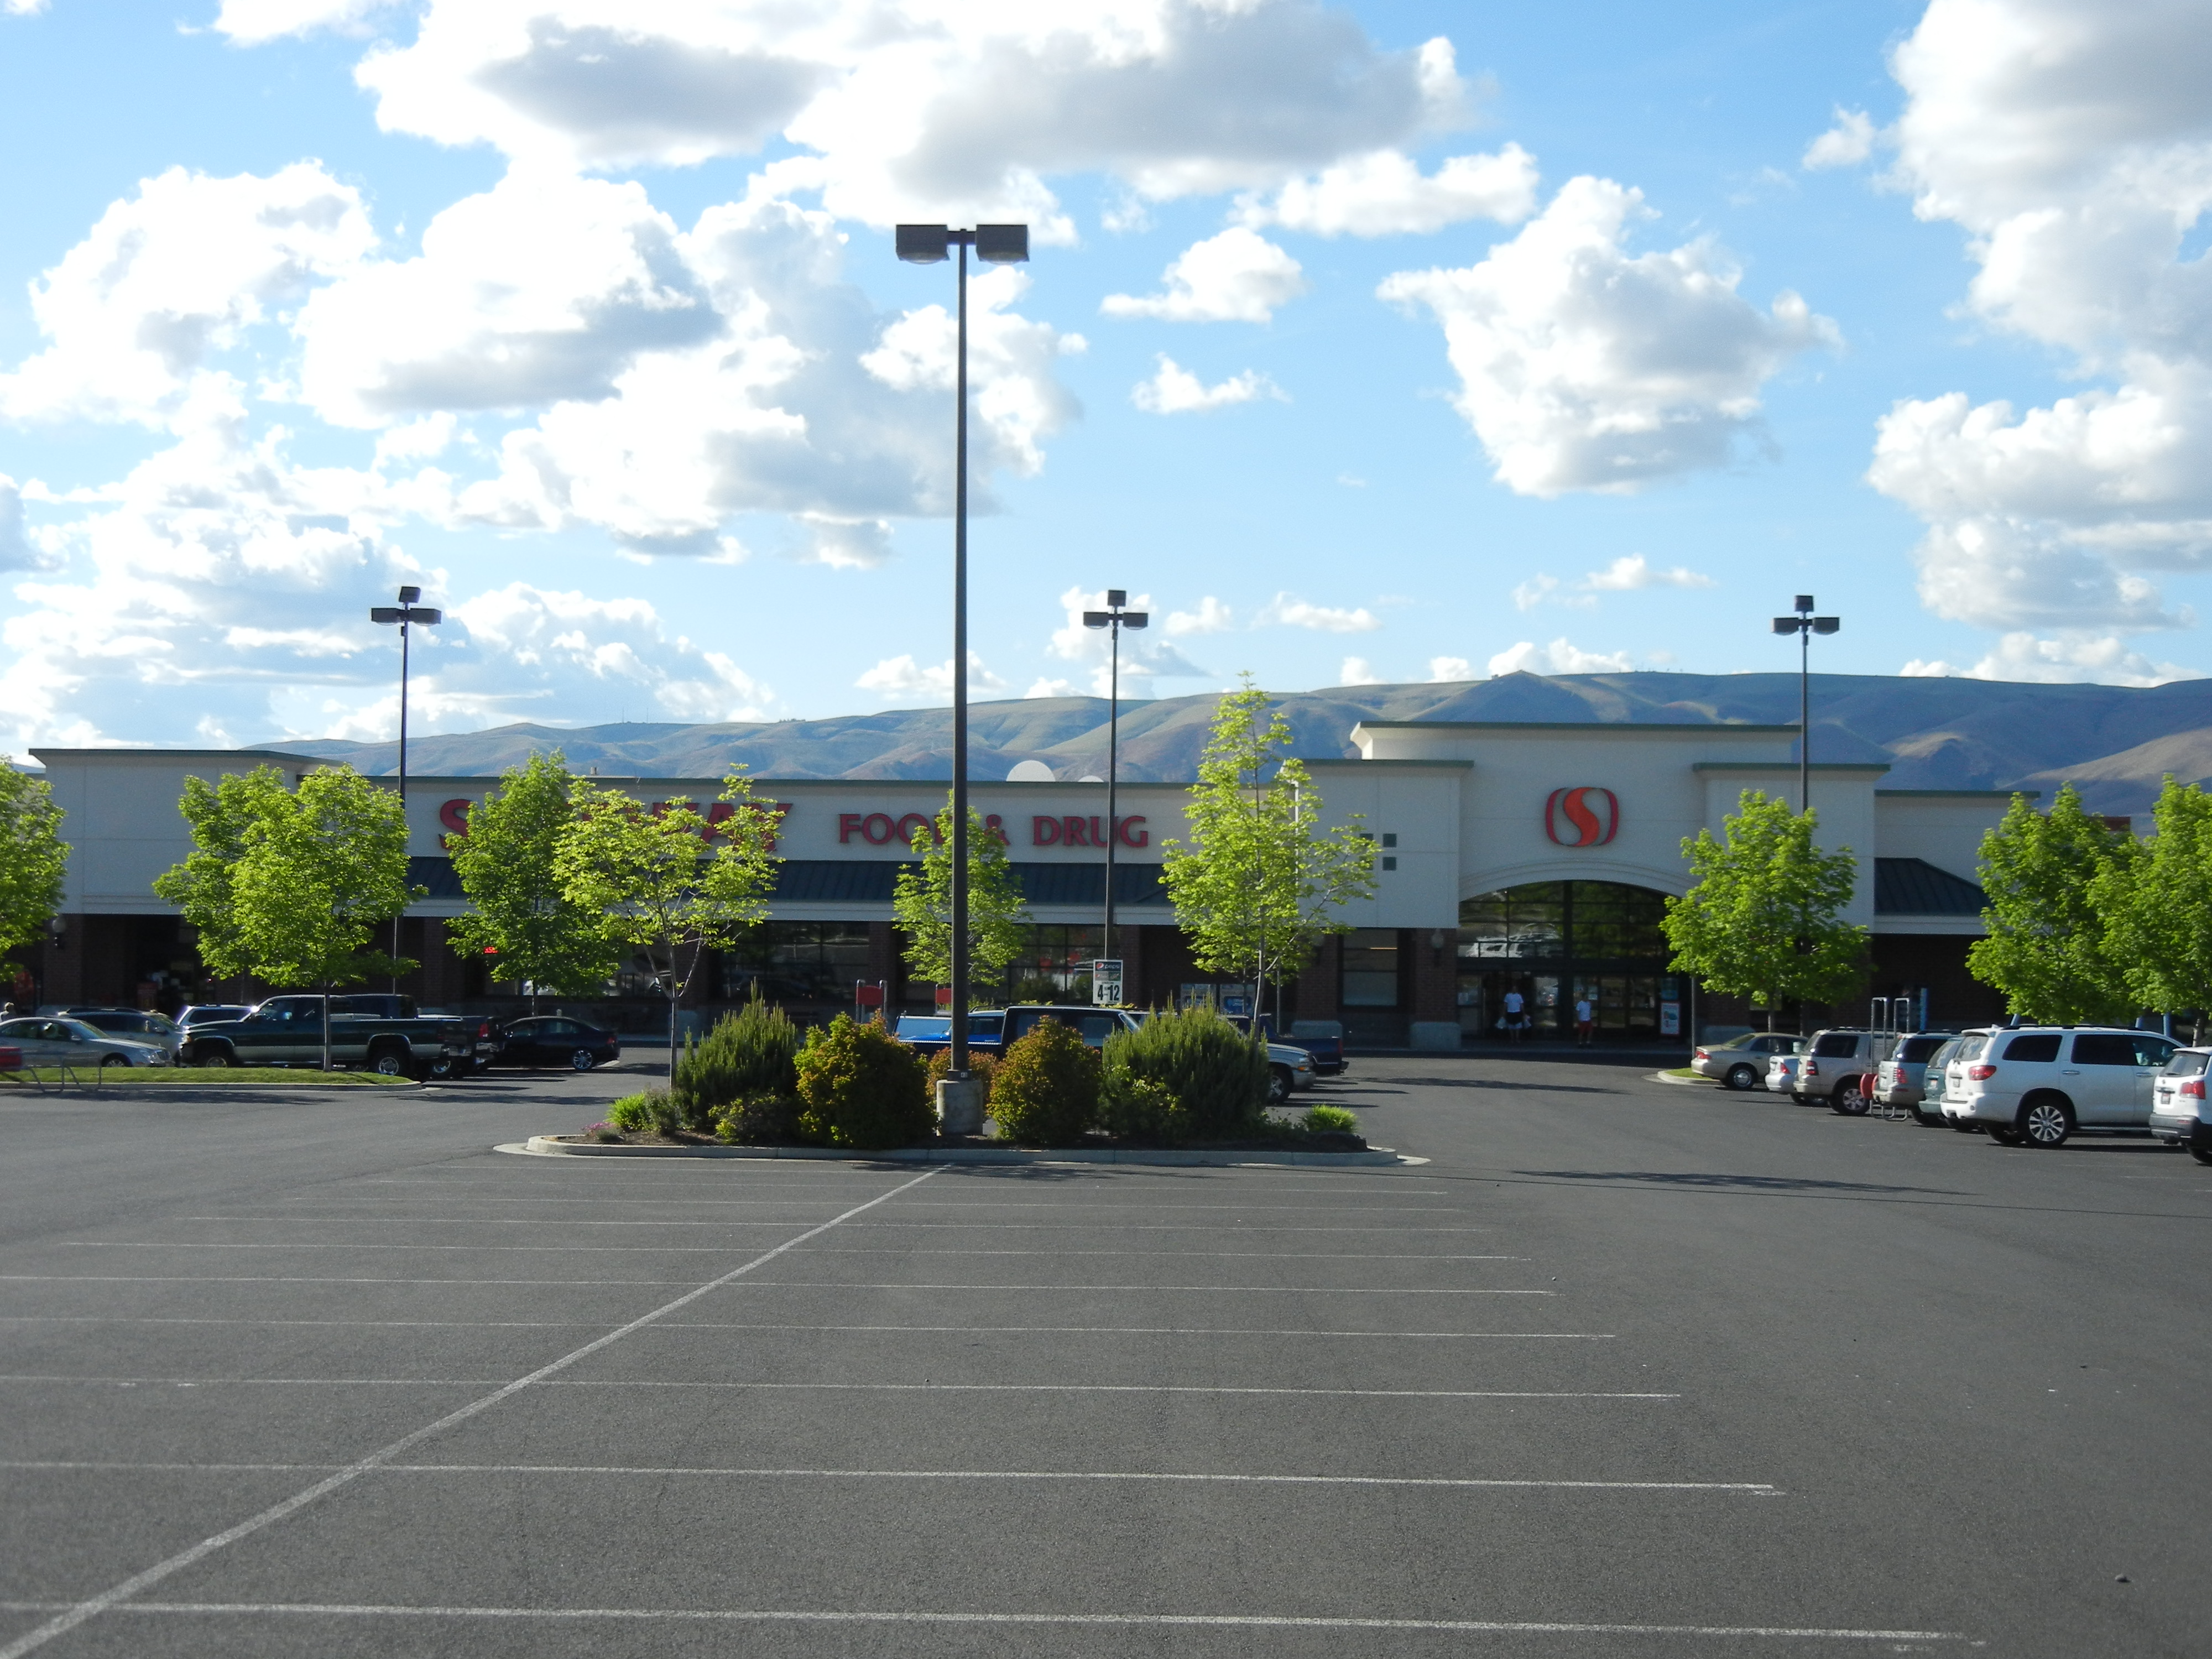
(2180, 1115)
(1834, 1064)
(2040, 1084)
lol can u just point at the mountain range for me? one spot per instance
(2115, 742)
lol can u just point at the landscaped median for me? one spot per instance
(1183, 1088)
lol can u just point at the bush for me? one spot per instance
(1324, 1119)
(1045, 1092)
(750, 1052)
(860, 1086)
(1142, 1110)
(650, 1113)
(758, 1120)
(1211, 1068)
(982, 1066)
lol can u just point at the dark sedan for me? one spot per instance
(557, 1040)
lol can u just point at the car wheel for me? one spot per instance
(1850, 1099)
(106, 1061)
(2003, 1134)
(2045, 1121)
(221, 1058)
(1278, 1085)
(583, 1060)
(389, 1062)
(1741, 1079)
(446, 1066)
(2202, 1154)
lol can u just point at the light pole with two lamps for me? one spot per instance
(406, 612)
(1804, 625)
(1114, 618)
(959, 1104)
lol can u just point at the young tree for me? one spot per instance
(34, 857)
(921, 899)
(661, 876)
(1759, 920)
(1258, 885)
(291, 886)
(2047, 947)
(2157, 905)
(506, 865)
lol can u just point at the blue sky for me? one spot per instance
(1554, 338)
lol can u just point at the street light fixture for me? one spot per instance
(1114, 619)
(1804, 625)
(406, 612)
(929, 245)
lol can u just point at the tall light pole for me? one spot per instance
(929, 245)
(405, 612)
(1114, 619)
(1804, 625)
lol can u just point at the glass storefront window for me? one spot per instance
(1557, 943)
(797, 961)
(1370, 968)
(1056, 966)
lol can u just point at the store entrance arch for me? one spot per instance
(1556, 942)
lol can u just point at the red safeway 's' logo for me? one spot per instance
(1582, 817)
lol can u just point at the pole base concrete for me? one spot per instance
(960, 1106)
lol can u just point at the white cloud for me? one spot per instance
(1383, 193)
(23, 7)
(1045, 686)
(1212, 617)
(846, 544)
(169, 280)
(1443, 670)
(1845, 144)
(1328, 619)
(1584, 367)
(1174, 390)
(253, 22)
(2073, 145)
(2072, 658)
(902, 677)
(20, 548)
(1628, 574)
(1144, 659)
(1527, 595)
(1558, 657)
(1237, 276)
(1357, 671)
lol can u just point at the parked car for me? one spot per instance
(1324, 1040)
(931, 1032)
(2041, 1085)
(1289, 1068)
(287, 1030)
(1741, 1062)
(1836, 1063)
(47, 1040)
(2179, 1115)
(140, 1022)
(1902, 1079)
(206, 1013)
(1782, 1072)
(557, 1040)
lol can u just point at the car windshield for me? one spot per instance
(2187, 1062)
(1918, 1048)
(1972, 1047)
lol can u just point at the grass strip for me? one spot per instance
(187, 1077)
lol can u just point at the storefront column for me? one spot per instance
(66, 970)
(1435, 957)
(1321, 986)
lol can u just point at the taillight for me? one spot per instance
(1809, 1070)
(1981, 1073)
(2193, 1089)
(484, 1028)
(1702, 1054)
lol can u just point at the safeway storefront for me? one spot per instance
(1510, 858)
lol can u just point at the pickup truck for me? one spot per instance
(1288, 1068)
(367, 1032)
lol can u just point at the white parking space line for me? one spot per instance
(1111, 1621)
(724, 1249)
(707, 1325)
(1240, 1290)
(1134, 1477)
(92, 1606)
(303, 1279)
(961, 1226)
(828, 1387)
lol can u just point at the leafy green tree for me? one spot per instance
(2156, 902)
(921, 899)
(34, 857)
(291, 885)
(1258, 885)
(2047, 948)
(1760, 919)
(506, 866)
(655, 877)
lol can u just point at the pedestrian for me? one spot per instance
(1513, 1016)
(1585, 1021)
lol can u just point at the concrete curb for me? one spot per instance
(545, 1146)
(1686, 1082)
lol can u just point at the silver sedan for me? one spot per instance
(48, 1041)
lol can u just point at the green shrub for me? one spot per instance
(1322, 1120)
(982, 1066)
(752, 1052)
(1209, 1066)
(1045, 1092)
(860, 1086)
(758, 1120)
(650, 1113)
(1142, 1110)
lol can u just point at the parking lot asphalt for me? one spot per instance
(1626, 1367)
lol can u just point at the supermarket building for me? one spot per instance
(1510, 856)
